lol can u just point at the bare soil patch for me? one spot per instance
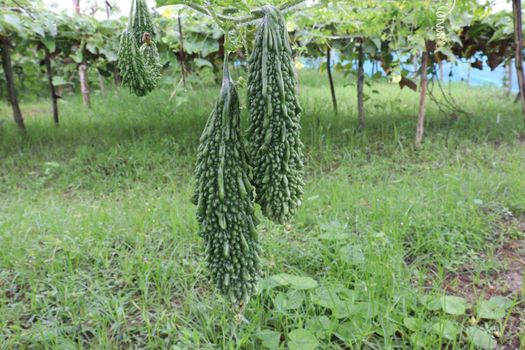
(505, 281)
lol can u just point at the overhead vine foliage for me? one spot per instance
(492, 35)
(47, 43)
(224, 199)
(275, 148)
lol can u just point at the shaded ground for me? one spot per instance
(506, 280)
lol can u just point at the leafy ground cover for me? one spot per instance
(391, 249)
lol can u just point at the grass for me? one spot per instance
(99, 243)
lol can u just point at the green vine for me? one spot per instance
(255, 14)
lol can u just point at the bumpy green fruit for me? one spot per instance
(274, 149)
(224, 199)
(150, 54)
(132, 68)
(142, 21)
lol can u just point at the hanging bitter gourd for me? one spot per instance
(142, 21)
(150, 54)
(132, 68)
(224, 199)
(139, 63)
(274, 148)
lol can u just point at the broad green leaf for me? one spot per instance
(111, 56)
(325, 297)
(481, 338)
(453, 305)
(270, 339)
(446, 329)
(341, 309)
(38, 29)
(269, 283)
(302, 339)
(413, 324)
(347, 330)
(77, 56)
(91, 47)
(355, 329)
(202, 47)
(321, 326)
(59, 80)
(419, 341)
(13, 22)
(364, 309)
(49, 43)
(431, 302)
(494, 309)
(289, 301)
(199, 62)
(388, 329)
(296, 282)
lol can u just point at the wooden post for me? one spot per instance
(10, 82)
(76, 6)
(82, 68)
(84, 85)
(116, 76)
(330, 79)
(108, 9)
(52, 92)
(182, 57)
(518, 42)
(360, 83)
(422, 97)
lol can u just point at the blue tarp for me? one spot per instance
(459, 70)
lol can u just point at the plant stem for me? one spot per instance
(360, 85)
(422, 95)
(242, 19)
(330, 80)
(10, 82)
(52, 92)
(518, 41)
(182, 58)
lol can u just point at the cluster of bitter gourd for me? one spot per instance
(138, 56)
(224, 193)
(224, 199)
(274, 148)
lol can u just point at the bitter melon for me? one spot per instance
(132, 68)
(150, 54)
(142, 21)
(274, 148)
(224, 199)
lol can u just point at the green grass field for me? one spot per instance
(392, 248)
